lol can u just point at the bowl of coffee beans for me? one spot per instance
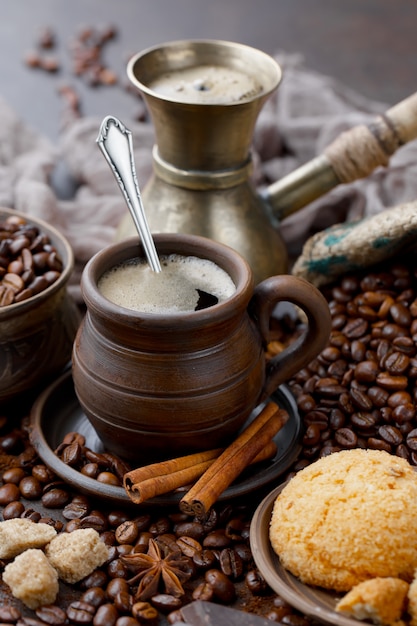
(38, 317)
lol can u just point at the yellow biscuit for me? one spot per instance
(412, 601)
(346, 518)
(382, 600)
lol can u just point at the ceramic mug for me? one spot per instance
(158, 385)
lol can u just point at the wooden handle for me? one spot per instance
(354, 154)
(360, 150)
(403, 117)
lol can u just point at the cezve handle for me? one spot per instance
(353, 155)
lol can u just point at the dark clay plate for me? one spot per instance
(57, 412)
(315, 602)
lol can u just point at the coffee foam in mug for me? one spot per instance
(134, 285)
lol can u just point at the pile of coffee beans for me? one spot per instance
(361, 391)
(104, 467)
(29, 263)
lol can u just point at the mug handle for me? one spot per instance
(303, 350)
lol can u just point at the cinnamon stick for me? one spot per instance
(156, 479)
(233, 460)
(170, 466)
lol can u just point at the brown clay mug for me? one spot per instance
(158, 385)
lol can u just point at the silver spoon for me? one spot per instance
(115, 142)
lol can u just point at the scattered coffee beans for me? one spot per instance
(86, 59)
(360, 391)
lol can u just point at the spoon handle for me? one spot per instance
(115, 142)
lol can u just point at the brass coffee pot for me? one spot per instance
(204, 97)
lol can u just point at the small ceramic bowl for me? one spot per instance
(36, 334)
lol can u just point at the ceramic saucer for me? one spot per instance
(57, 412)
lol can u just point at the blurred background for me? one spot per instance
(369, 45)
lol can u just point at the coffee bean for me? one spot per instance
(256, 583)
(13, 510)
(123, 601)
(98, 578)
(42, 473)
(216, 539)
(13, 475)
(360, 399)
(127, 532)
(30, 488)
(337, 419)
(400, 314)
(160, 526)
(230, 563)
(72, 454)
(144, 612)
(75, 510)
(223, 589)
(31, 514)
(311, 435)
(165, 602)
(205, 559)
(379, 397)
(96, 520)
(390, 434)
(116, 586)
(107, 615)
(55, 498)
(346, 438)
(96, 596)
(356, 328)
(404, 413)
(391, 383)
(81, 612)
(9, 614)
(51, 614)
(9, 493)
(366, 371)
(117, 569)
(189, 529)
(108, 478)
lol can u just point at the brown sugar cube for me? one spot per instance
(32, 579)
(17, 535)
(75, 555)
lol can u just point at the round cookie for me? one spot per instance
(346, 518)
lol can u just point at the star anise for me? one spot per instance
(155, 570)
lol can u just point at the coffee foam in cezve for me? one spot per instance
(134, 285)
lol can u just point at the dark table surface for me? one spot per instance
(370, 45)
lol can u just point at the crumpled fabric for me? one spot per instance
(307, 112)
(355, 245)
